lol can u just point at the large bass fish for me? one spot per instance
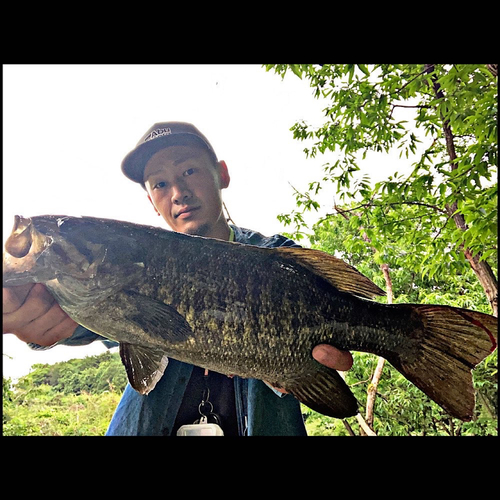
(243, 310)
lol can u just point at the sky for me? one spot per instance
(66, 129)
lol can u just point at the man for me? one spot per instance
(183, 178)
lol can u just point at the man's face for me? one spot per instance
(184, 186)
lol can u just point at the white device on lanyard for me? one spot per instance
(201, 427)
(200, 430)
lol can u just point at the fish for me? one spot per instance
(242, 310)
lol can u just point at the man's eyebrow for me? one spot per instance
(155, 172)
(187, 156)
(181, 160)
(175, 163)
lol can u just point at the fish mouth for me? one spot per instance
(19, 242)
(22, 250)
(186, 212)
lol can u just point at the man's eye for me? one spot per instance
(159, 185)
(188, 172)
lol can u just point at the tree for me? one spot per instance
(399, 407)
(75, 397)
(445, 208)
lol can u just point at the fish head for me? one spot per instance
(76, 256)
(22, 253)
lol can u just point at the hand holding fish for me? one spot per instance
(332, 357)
(31, 313)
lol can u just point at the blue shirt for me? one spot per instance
(260, 410)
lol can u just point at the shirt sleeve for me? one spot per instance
(278, 393)
(283, 241)
(250, 237)
(81, 336)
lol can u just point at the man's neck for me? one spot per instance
(221, 232)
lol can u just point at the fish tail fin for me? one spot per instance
(454, 341)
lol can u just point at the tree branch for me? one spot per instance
(368, 205)
(410, 81)
(441, 228)
(493, 69)
(372, 389)
(364, 426)
(372, 392)
(411, 107)
(367, 423)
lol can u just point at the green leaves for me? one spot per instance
(422, 222)
(401, 409)
(364, 69)
(406, 108)
(71, 398)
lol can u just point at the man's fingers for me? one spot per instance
(332, 357)
(36, 304)
(31, 313)
(49, 328)
(14, 297)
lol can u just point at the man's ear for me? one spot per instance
(156, 210)
(224, 175)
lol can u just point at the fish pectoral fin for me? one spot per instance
(144, 366)
(341, 275)
(323, 390)
(158, 319)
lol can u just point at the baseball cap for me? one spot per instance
(160, 136)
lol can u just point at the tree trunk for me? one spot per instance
(482, 269)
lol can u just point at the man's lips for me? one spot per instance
(186, 212)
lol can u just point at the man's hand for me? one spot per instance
(329, 356)
(31, 313)
(332, 357)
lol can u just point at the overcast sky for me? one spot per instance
(66, 129)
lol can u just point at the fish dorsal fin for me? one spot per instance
(341, 275)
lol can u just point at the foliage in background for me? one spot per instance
(434, 225)
(401, 409)
(442, 116)
(92, 374)
(71, 398)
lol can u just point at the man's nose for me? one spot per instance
(180, 194)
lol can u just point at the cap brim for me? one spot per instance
(134, 163)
